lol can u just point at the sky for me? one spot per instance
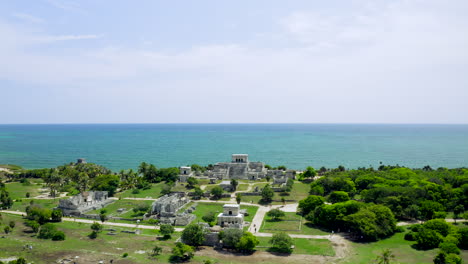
(211, 61)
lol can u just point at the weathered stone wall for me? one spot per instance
(84, 202)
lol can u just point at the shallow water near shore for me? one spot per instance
(124, 146)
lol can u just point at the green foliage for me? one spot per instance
(281, 242)
(209, 217)
(12, 224)
(331, 216)
(34, 225)
(58, 236)
(47, 231)
(97, 227)
(108, 183)
(7, 229)
(38, 214)
(267, 194)
(372, 223)
(449, 247)
(124, 255)
(181, 252)
(166, 230)
(20, 260)
(338, 197)
(410, 236)
(156, 250)
(230, 237)
(308, 173)
(93, 235)
(197, 193)
(238, 198)
(5, 200)
(56, 215)
(385, 257)
(463, 234)
(234, 184)
(428, 238)
(276, 214)
(438, 225)
(191, 182)
(217, 192)
(247, 242)
(194, 235)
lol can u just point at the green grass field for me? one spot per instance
(46, 203)
(404, 253)
(153, 192)
(18, 190)
(306, 246)
(291, 222)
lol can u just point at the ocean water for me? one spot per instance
(124, 146)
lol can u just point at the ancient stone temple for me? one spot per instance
(167, 209)
(185, 173)
(83, 202)
(239, 168)
(231, 216)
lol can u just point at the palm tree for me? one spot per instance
(386, 257)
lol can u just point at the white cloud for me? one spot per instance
(28, 18)
(390, 62)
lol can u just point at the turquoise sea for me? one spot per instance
(123, 146)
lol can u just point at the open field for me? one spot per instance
(153, 192)
(18, 190)
(128, 205)
(291, 224)
(308, 246)
(47, 203)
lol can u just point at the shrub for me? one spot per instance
(47, 231)
(267, 194)
(12, 224)
(410, 236)
(96, 227)
(194, 235)
(247, 242)
(56, 215)
(428, 238)
(276, 214)
(209, 217)
(7, 229)
(166, 230)
(449, 247)
(124, 255)
(217, 192)
(33, 225)
(93, 235)
(181, 252)
(230, 237)
(281, 242)
(58, 236)
(338, 197)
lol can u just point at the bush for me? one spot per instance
(124, 255)
(194, 235)
(47, 231)
(267, 194)
(449, 247)
(410, 236)
(310, 203)
(428, 238)
(281, 242)
(156, 250)
(58, 236)
(247, 242)
(56, 215)
(209, 217)
(7, 229)
(93, 235)
(217, 192)
(166, 230)
(96, 227)
(33, 225)
(230, 237)
(12, 224)
(276, 214)
(181, 252)
(338, 197)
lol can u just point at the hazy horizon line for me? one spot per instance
(234, 123)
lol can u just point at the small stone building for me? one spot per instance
(166, 209)
(83, 202)
(231, 216)
(185, 173)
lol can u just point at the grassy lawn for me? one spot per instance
(242, 187)
(305, 246)
(128, 205)
(404, 253)
(104, 247)
(47, 203)
(18, 190)
(291, 222)
(153, 192)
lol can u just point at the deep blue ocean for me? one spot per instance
(124, 146)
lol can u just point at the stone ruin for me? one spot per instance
(83, 202)
(231, 217)
(167, 207)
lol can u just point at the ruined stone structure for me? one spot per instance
(227, 186)
(185, 173)
(83, 202)
(239, 168)
(166, 209)
(231, 216)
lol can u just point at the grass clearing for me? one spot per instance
(18, 190)
(291, 222)
(307, 246)
(128, 205)
(46, 203)
(153, 192)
